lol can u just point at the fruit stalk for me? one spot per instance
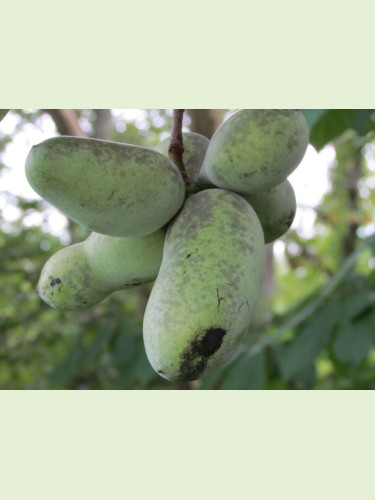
(176, 146)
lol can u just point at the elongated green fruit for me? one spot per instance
(3, 113)
(203, 299)
(108, 187)
(276, 209)
(195, 147)
(81, 275)
(256, 149)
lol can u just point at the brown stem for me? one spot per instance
(205, 121)
(66, 121)
(103, 124)
(176, 146)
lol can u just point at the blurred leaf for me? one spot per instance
(354, 340)
(354, 303)
(363, 121)
(213, 380)
(136, 372)
(356, 332)
(305, 379)
(3, 112)
(64, 372)
(312, 116)
(311, 337)
(330, 125)
(336, 121)
(96, 347)
(246, 373)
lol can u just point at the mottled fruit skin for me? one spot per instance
(276, 209)
(111, 188)
(81, 275)
(195, 147)
(202, 301)
(256, 149)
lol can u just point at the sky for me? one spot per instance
(310, 180)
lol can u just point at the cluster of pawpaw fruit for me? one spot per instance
(204, 247)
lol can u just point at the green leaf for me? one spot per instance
(305, 379)
(354, 304)
(312, 116)
(213, 380)
(65, 372)
(97, 345)
(336, 121)
(137, 371)
(3, 112)
(363, 121)
(311, 338)
(246, 373)
(354, 340)
(331, 125)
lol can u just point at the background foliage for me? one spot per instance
(315, 327)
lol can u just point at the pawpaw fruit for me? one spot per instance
(203, 299)
(82, 275)
(110, 188)
(256, 149)
(276, 209)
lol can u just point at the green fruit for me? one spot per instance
(276, 208)
(195, 147)
(256, 149)
(108, 187)
(3, 113)
(81, 275)
(203, 299)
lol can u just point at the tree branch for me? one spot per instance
(176, 146)
(103, 124)
(205, 121)
(66, 121)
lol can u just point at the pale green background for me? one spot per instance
(201, 54)
(187, 445)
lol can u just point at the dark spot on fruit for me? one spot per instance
(188, 255)
(238, 310)
(248, 174)
(292, 142)
(160, 371)
(212, 341)
(56, 281)
(194, 358)
(112, 193)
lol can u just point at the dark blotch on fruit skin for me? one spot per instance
(194, 359)
(55, 281)
(212, 341)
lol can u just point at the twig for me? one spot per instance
(176, 145)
